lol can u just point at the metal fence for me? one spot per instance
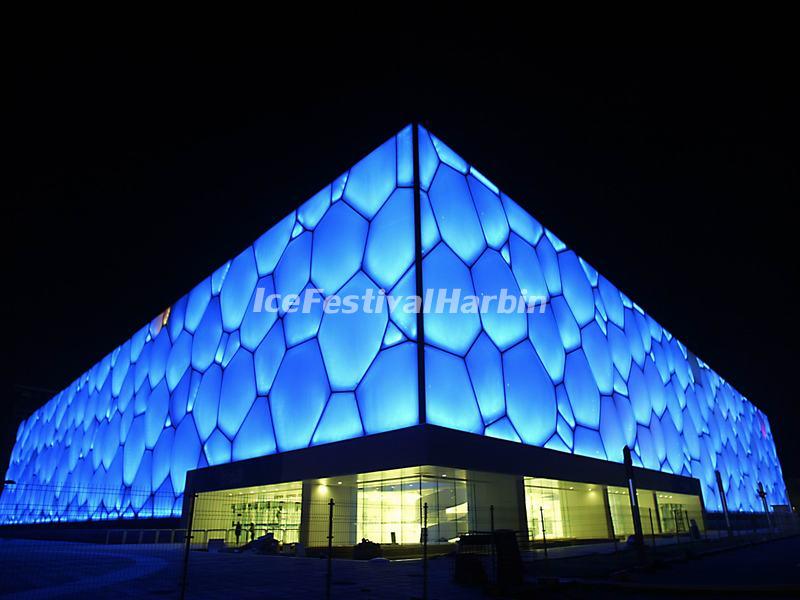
(320, 547)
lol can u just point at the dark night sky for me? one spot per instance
(138, 171)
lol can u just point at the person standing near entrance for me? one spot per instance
(238, 531)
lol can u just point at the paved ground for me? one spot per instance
(35, 569)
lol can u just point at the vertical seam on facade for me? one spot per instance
(418, 272)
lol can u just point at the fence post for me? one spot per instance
(187, 546)
(425, 551)
(652, 529)
(544, 533)
(330, 548)
(491, 524)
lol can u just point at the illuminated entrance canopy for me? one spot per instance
(210, 380)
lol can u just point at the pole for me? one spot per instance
(637, 518)
(724, 502)
(763, 496)
(544, 532)
(187, 546)
(330, 549)
(425, 551)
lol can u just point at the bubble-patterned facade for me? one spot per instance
(211, 381)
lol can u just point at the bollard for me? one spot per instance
(330, 549)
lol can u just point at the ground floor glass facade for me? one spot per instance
(389, 507)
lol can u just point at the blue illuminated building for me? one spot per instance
(210, 381)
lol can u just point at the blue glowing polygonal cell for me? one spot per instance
(227, 348)
(502, 429)
(405, 157)
(657, 432)
(644, 329)
(446, 275)
(485, 367)
(186, 450)
(627, 421)
(590, 271)
(455, 214)
(577, 289)
(639, 395)
(177, 315)
(311, 211)
(526, 269)
(268, 358)
(634, 339)
(237, 393)
(521, 222)
(110, 442)
(448, 156)
(206, 404)
(611, 429)
(256, 437)
(582, 390)
(207, 336)
(530, 396)
(595, 347)
(402, 311)
(674, 445)
(302, 323)
(218, 278)
(294, 267)
(393, 336)
(141, 486)
(502, 320)
(340, 421)
(660, 359)
(372, 179)
(450, 399)
(568, 328)
(557, 444)
(139, 338)
(429, 229)
(620, 350)
(338, 247)
(655, 387)
(490, 212)
(691, 438)
(674, 409)
(428, 159)
(261, 314)
(133, 450)
(350, 341)
(588, 443)
(565, 432)
(298, 396)
(162, 457)
(158, 358)
(270, 246)
(238, 289)
(156, 414)
(217, 448)
(118, 374)
(141, 369)
(544, 335)
(390, 244)
(179, 359)
(387, 395)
